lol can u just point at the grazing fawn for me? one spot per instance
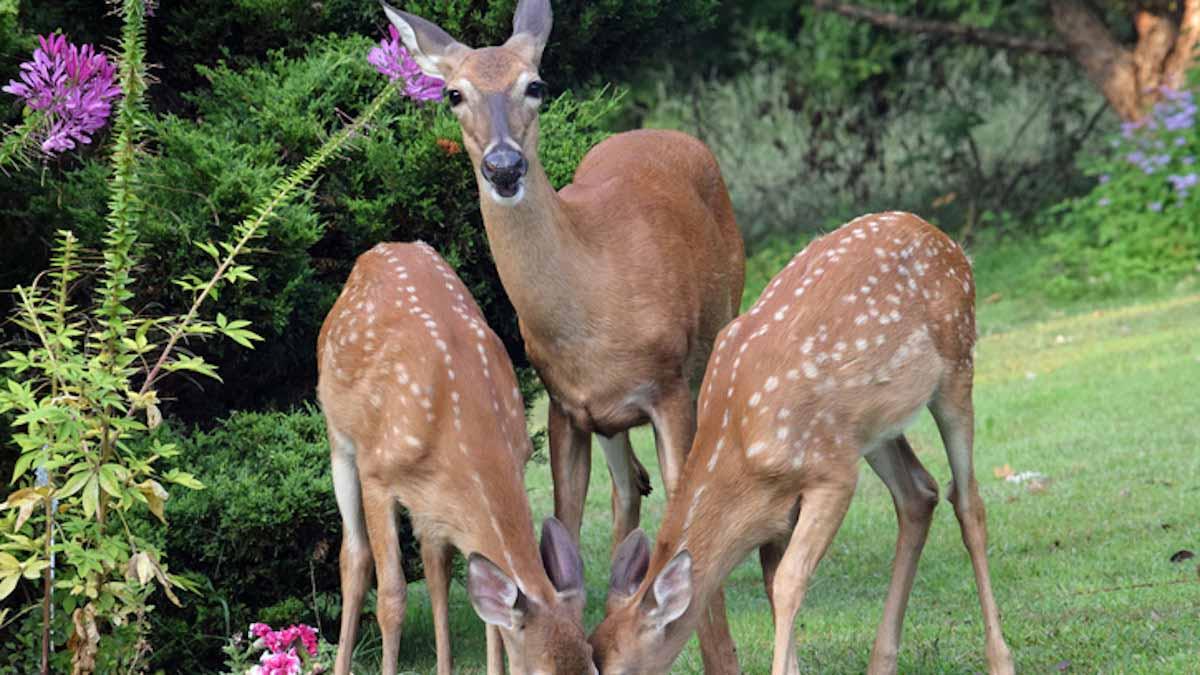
(621, 280)
(863, 328)
(423, 411)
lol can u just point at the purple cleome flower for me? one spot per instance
(73, 86)
(392, 59)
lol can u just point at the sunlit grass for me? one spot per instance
(1104, 403)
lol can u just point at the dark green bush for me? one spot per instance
(261, 539)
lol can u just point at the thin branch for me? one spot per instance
(957, 31)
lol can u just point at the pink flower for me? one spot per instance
(308, 635)
(259, 630)
(278, 641)
(282, 663)
(392, 59)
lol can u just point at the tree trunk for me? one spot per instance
(1131, 79)
(1110, 66)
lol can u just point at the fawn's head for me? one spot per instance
(496, 92)
(541, 635)
(641, 631)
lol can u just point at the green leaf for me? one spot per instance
(210, 249)
(111, 478)
(73, 484)
(194, 364)
(91, 496)
(183, 478)
(7, 583)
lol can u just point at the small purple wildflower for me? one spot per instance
(73, 86)
(392, 59)
(1156, 207)
(1183, 184)
(1104, 179)
(1104, 201)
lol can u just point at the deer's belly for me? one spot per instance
(597, 402)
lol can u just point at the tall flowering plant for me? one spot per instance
(1141, 222)
(81, 387)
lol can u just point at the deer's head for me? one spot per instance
(496, 92)
(541, 635)
(642, 632)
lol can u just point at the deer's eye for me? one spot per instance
(454, 96)
(536, 89)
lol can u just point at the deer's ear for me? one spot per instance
(495, 597)
(672, 590)
(564, 566)
(435, 52)
(560, 557)
(630, 564)
(531, 29)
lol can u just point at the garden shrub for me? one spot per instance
(951, 139)
(1140, 226)
(261, 540)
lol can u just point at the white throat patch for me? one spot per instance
(507, 201)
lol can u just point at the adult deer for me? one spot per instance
(423, 410)
(621, 280)
(863, 328)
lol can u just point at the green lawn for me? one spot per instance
(1103, 403)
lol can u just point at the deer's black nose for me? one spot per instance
(503, 168)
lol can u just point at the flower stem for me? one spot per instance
(252, 226)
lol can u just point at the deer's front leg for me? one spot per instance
(674, 419)
(571, 467)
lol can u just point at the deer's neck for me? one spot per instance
(718, 533)
(498, 524)
(538, 252)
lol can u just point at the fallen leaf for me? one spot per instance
(993, 299)
(1038, 486)
(1063, 665)
(1003, 472)
(1182, 555)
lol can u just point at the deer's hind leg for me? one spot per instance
(355, 561)
(954, 413)
(915, 495)
(391, 587)
(436, 557)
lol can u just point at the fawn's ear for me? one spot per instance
(432, 48)
(672, 591)
(629, 565)
(531, 29)
(495, 597)
(564, 566)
